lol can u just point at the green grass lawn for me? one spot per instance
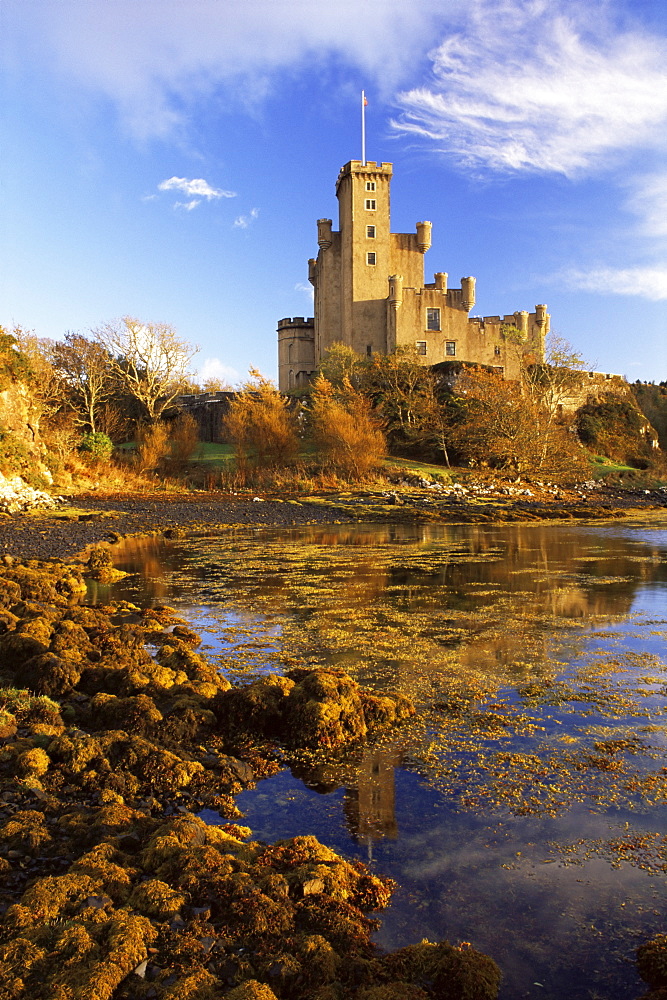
(212, 453)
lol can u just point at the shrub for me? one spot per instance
(261, 425)
(152, 445)
(346, 435)
(97, 446)
(184, 438)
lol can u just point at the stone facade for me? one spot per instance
(370, 294)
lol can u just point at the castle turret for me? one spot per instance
(467, 293)
(424, 236)
(324, 238)
(395, 290)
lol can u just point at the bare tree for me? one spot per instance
(549, 385)
(150, 360)
(84, 366)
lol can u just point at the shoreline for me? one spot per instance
(87, 519)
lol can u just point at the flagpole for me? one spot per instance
(363, 128)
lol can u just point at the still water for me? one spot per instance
(525, 809)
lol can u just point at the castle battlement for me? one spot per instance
(370, 293)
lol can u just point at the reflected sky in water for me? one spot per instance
(524, 811)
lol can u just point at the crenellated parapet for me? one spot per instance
(371, 295)
(296, 351)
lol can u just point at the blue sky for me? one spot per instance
(169, 160)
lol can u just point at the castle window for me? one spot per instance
(370, 232)
(450, 348)
(420, 346)
(369, 350)
(370, 258)
(432, 319)
(370, 204)
(370, 185)
(496, 351)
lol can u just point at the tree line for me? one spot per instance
(120, 381)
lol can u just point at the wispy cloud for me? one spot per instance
(243, 221)
(155, 61)
(540, 86)
(307, 289)
(197, 189)
(649, 202)
(645, 282)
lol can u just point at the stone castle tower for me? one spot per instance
(370, 294)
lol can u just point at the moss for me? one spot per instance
(206, 678)
(29, 710)
(308, 708)
(319, 959)
(186, 635)
(53, 897)
(258, 707)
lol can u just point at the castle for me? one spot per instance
(370, 294)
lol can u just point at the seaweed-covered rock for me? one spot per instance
(652, 961)
(257, 707)
(308, 708)
(10, 592)
(204, 677)
(17, 648)
(447, 972)
(138, 714)
(251, 990)
(48, 674)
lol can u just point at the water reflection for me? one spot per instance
(536, 654)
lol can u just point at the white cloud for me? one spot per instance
(243, 221)
(215, 368)
(541, 86)
(644, 282)
(308, 289)
(155, 60)
(197, 187)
